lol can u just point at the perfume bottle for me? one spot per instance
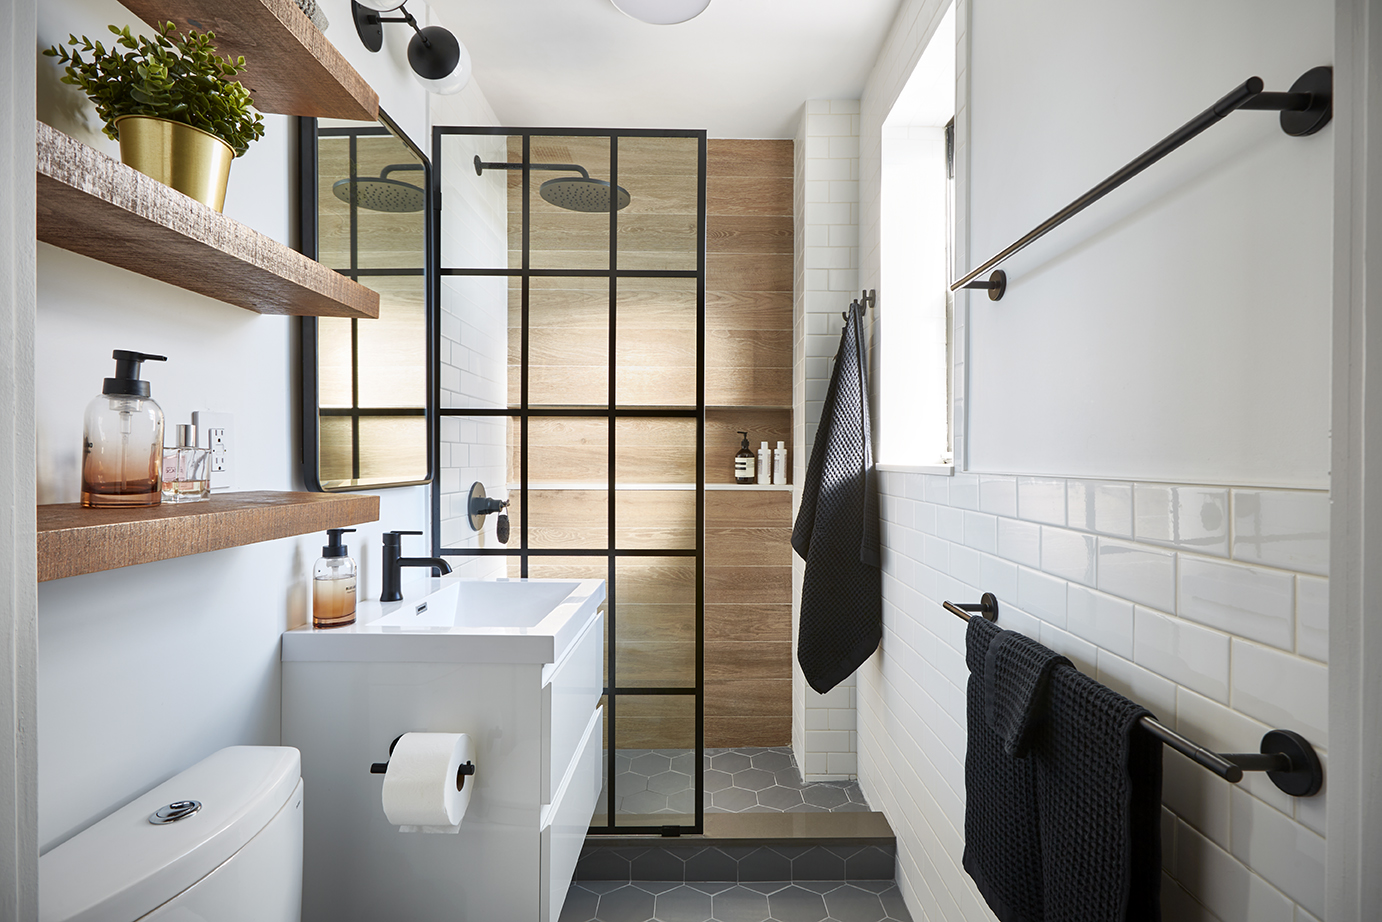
(186, 469)
(122, 444)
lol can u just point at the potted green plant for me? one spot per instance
(171, 101)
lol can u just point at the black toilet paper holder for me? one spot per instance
(380, 768)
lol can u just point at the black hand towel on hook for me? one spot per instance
(836, 531)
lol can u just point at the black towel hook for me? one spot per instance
(867, 298)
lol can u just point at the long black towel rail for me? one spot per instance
(1286, 756)
(1304, 110)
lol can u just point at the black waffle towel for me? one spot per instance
(836, 531)
(1097, 781)
(1002, 832)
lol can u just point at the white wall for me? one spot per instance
(1112, 521)
(18, 576)
(145, 670)
(826, 272)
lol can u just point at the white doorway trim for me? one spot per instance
(1355, 647)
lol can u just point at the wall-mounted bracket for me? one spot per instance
(996, 285)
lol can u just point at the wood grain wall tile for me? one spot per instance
(748, 272)
(747, 546)
(748, 584)
(748, 697)
(763, 508)
(737, 659)
(749, 234)
(734, 732)
(748, 195)
(770, 621)
(751, 157)
(749, 310)
(753, 387)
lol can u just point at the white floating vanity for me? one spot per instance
(517, 664)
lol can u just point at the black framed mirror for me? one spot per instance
(368, 386)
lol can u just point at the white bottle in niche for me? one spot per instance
(765, 464)
(780, 463)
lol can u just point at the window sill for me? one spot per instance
(945, 470)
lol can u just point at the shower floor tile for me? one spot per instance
(749, 780)
(812, 901)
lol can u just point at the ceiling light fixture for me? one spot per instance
(658, 12)
(439, 61)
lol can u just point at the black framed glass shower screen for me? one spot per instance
(571, 381)
(367, 420)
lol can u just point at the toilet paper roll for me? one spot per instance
(420, 786)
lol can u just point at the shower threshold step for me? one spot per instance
(746, 847)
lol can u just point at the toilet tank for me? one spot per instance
(237, 857)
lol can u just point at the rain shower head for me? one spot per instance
(574, 193)
(381, 193)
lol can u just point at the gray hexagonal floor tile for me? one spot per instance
(796, 904)
(643, 802)
(730, 760)
(630, 904)
(850, 904)
(753, 779)
(684, 904)
(771, 760)
(669, 782)
(580, 905)
(779, 798)
(650, 763)
(824, 795)
(740, 904)
(717, 781)
(734, 799)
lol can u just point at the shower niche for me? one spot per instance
(571, 381)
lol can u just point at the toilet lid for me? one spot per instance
(124, 866)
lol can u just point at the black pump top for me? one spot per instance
(334, 547)
(745, 443)
(126, 381)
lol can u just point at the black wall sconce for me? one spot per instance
(439, 61)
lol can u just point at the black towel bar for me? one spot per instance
(1286, 756)
(1304, 110)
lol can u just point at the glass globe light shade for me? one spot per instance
(382, 6)
(662, 12)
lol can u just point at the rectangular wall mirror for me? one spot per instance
(367, 385)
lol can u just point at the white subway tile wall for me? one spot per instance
(1221, 651)
(826, 215)
(474, 345)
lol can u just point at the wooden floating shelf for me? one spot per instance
(293, 69)
(73, 540)
(94, 205)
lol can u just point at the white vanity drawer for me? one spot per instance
(567, 819)
(568, 698)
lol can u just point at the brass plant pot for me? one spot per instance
(192, 161)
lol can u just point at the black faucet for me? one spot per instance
(394, 564)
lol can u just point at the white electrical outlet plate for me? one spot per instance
(216, 431)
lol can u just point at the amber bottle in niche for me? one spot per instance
(122, 448)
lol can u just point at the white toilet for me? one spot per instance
(235, 857)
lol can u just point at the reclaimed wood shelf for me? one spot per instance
(94, 205)
(293, 69)
(73, 540)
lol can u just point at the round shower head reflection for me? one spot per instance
(381, 193)
(578, 193)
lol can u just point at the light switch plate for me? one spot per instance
(216, 431)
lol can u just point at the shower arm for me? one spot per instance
(399, 167)
(481, 166)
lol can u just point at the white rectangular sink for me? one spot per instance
(456, 620)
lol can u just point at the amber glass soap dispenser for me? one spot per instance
(122, 450)
(333, 583)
